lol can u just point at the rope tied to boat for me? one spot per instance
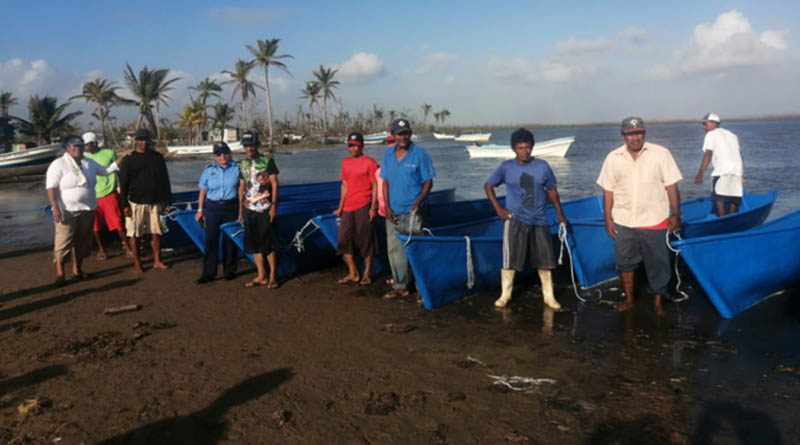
(411, 220)
(470, 268)
(299, 238)
(562, 237)
(683, 295)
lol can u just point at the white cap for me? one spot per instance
(89, 136)
(710, 117)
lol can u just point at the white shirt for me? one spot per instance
(72, 196)
(726, 157)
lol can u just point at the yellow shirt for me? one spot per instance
(640, 197)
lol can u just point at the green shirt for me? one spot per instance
(105, 184)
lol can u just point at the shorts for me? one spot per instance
(73, 233)
(108, 212)
(524, 243)
(634, 246)
(730, 185)
(260, 235)
(356, 233)
(145, 219)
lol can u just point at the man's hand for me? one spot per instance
(338, 212)
(273, 213)
(390, 214)
(698, 179)
(504, 214)
(611, 228)
(127, 211)
(675, 223)
(561, 218)
(199, 215)
(240, 218)
(372, 213)
(56, 214)
(414, 208)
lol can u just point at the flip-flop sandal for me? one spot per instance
(255, 283)
(102, 256)
(365, 281)
(273, 285)
(389, 281)
(345, 280)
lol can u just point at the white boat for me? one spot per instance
(553, 148)
(443, 136)
(30, 161)
(201, 149)
(376, 138)
(474, 137)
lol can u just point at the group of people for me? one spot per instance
(639, 179)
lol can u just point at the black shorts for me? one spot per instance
(735, 200)
(356, 233)
(260, 235)
(524, 243)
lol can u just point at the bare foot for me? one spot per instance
(624, 306)
(348, 279)
(138, 270)
(160, 265)
(658, 307)
(256, 282)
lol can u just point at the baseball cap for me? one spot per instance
(221, 148)
(250, 139)
(632, 125)
(355, 138)
(89, 136)
(521, 135)
(710, 117)
(72, 140)
(142, 133)
(400, 125)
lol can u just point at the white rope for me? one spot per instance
(237, 233)
(684, 296)
(562, 237)
(470, 269)
(298, 239)
(411, 219)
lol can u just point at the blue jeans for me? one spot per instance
(398, 261)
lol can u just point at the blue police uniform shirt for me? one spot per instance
(526, 189)
(406, 177)
(221, 184)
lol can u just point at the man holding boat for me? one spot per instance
(721, 149)
(640, 187)
(408, 174)
(530, 183)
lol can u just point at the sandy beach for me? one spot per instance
(318, 362)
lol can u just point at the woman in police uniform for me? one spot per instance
(218, 203)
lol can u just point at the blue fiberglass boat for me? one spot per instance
(444, 272)
(442, 214)
(738, 270)
(317, 252)
(593, 250)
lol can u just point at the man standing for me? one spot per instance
(640, 187)
(258, 209)
(357, 209)
(526, 235)
(70, 186)
(408, 175)
(107, 194)
(721, 149)
(145, 192)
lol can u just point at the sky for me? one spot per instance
(487, 62)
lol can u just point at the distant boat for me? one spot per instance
(201, 149)
(553, 148)
(27, 162)
(474, 137)
(375, 138)
(739, 270)
(443, 136)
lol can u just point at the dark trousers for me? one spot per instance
(217, 213)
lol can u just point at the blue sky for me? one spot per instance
(500, 62)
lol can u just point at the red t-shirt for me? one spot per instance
(359, 174)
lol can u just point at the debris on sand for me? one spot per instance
(282, 417)
(517, 437)
(395, 328)
(517, 383)
(33, 406)
(121, 309)
(381, 405)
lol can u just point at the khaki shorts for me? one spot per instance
(73, 234)
(145, 219)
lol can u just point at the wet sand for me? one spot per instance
(318, 362)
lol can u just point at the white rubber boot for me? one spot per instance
(547, 289)
(507, 285)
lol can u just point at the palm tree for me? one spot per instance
(47, 119)
(311, 92)
(191, 115)
(265, 56)
(223, 113)
(104, 94)
(150, 87)
(437, 116)
(244, 86)
(7, 100)
(444, 114)
(207, 88)
(426, 109)
(327, 85)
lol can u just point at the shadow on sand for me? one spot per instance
(751, 426)
(32, 378)
(204, 427)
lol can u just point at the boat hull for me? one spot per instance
(474, 137)
(554, 148)
(739, 270)
(28, 158)
(444, 136)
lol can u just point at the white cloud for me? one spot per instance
(360, 68)
(435, 62)
(509, 69)
(237, 16)
(450, 80)
(578, 46)
(729, 42)
(634, 34)
(556, 72)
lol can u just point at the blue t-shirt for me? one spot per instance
(406, 177)
(222, 184)
(526, 189)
